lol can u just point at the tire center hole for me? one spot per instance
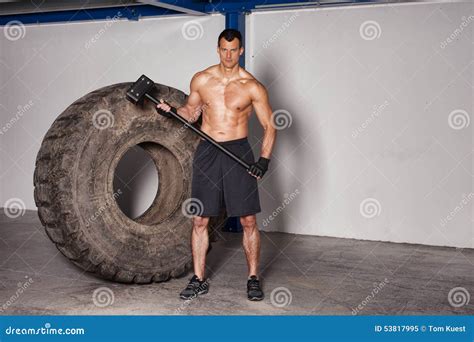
(137, 179)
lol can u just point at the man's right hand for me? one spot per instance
(164, 108)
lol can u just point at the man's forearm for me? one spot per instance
(269, 137)
(187, 113)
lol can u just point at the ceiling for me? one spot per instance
(12, 7)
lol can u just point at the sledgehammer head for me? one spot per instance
(137, 91)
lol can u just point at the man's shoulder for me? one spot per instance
(255, 89)
(249, 79)
(203, 75)
(254, 86)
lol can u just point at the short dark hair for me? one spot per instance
(229, 35)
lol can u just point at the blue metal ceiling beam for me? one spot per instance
(188, 7)
(236, 20)
(236, 5)
(129, 12)
(240, 5)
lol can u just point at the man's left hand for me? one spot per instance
(259, 168)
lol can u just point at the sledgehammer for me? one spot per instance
(139, 90)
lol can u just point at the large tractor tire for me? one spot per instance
(76, 200)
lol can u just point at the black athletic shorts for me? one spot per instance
(219, 181)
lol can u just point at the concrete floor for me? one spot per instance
(323, 276)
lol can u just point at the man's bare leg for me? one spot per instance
(199, 244)
(251, 243)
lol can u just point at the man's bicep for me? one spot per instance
(261, 104)
(194, 99)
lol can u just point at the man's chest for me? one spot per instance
(232, 96)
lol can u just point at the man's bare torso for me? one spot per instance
(226, 103)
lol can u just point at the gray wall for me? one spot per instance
(379, 146)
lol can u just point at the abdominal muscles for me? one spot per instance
(226, 126)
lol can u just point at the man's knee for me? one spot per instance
(249, 223)
(200, 223)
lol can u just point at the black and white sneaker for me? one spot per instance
(195, 287)
(254, 291)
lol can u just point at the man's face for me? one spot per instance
(229, 52)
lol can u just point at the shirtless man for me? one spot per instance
(225, 94)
